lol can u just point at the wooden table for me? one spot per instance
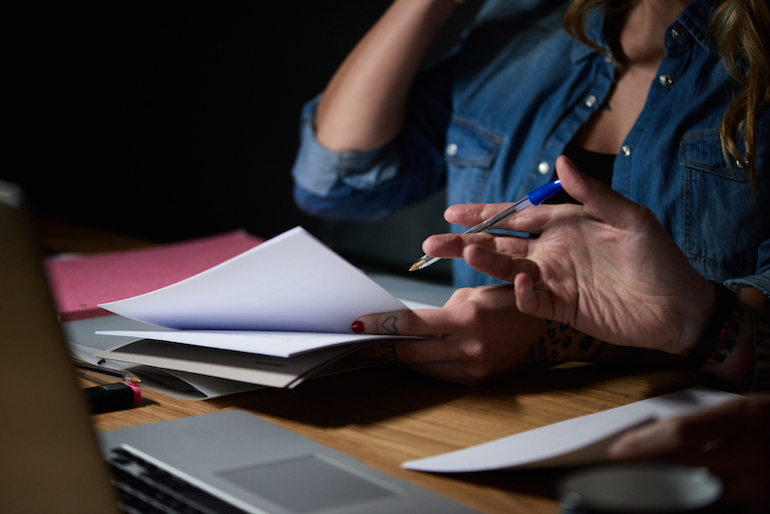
(386, 415)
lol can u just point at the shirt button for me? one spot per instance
(666, 80)
(543, 168)
(451, 149)
(676, 33)
(591, 101)
(626, 150)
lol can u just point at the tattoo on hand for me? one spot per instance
(389, 325)
(586, 343)
(389, 351)
(563, 337)
(531, 354)
(556, 340)
(728, 344)
(754, 325)
(601, 347)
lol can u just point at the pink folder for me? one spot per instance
(80, 283)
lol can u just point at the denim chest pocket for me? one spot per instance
(724, 221)
(470, 152)
(470, 144)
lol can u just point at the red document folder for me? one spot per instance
(81, 283)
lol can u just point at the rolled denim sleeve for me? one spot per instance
(370, 185)
(318, 170)
(761, 280)
(355, 186)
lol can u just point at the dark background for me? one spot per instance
(175, 120)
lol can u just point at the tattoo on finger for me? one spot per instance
(389, 351)
(389, 325)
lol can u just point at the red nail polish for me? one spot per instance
(357, 327)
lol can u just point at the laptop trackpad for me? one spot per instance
(306, 484)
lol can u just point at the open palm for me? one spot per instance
(607, 267)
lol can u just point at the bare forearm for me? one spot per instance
(364, 104)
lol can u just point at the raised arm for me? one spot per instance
(364, 104)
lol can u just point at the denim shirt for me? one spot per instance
(489, 121)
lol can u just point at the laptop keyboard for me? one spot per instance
(145, 488)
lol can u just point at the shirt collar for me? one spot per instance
(694, 19)
(595, 32)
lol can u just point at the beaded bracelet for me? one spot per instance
(716, 332)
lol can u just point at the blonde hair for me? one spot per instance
(739, 30)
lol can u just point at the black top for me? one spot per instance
(593, 164)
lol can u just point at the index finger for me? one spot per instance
(419, 322)
(532, 220)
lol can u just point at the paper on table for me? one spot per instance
(188, 386)
(292, 282)
(273, 343)
(243, 367)
(574, 442)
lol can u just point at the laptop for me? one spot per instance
(229, 461)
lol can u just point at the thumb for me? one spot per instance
(599, 199)
(530, 300)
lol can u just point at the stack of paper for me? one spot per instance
(273, 315)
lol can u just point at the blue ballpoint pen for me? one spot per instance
(535, 197)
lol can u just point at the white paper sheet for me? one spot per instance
(242, 367)
(188, 386)
(292, 282)
(275, 344)
(578, 441)
(86, 343)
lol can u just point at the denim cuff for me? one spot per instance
(761, 282)
(318, 169)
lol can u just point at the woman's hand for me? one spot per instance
(477, 335)
(731, 439)
(607, 267)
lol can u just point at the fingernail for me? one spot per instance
(357, 327)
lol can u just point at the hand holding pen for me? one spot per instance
(535, 197)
